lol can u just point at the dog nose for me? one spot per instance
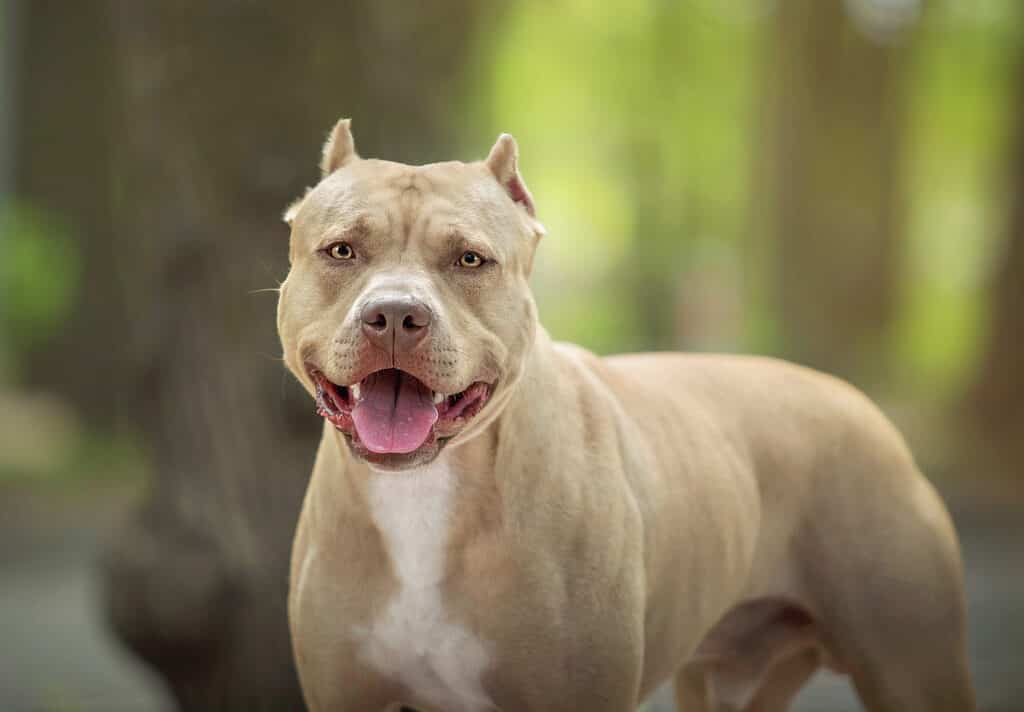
(396, 322)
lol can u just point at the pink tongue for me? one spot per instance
(395, 412)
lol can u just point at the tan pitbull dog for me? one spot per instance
(499, 522)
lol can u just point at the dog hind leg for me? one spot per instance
(894, 616)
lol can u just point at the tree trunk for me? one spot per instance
(224, 107)
(995, 402)
(830, 185)
(62, 169)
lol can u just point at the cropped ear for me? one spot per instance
(339, 149)
(503, 162)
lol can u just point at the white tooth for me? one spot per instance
(355, 391)
(438, 398)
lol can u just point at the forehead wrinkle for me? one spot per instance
(389, 213)
(411, 212)
(422, 179)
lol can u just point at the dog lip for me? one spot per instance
(335, 403)
(315, 373)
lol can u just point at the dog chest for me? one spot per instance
(414, 639)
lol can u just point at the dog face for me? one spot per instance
(406, 312)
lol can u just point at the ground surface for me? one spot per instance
(55, 653)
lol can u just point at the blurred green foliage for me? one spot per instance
(39, 277)
(634, 124)
(962, 83)
(637, 125)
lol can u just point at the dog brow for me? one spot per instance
(359, 227)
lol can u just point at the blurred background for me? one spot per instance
(837, 182)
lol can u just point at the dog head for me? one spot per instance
(406, 311)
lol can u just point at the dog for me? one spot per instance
(496, 521)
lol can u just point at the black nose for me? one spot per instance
(398, 323)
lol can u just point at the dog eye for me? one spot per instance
(470, 259)
(341, 251)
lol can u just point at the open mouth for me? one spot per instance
(393, 412)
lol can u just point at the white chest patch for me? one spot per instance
(413, 640)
